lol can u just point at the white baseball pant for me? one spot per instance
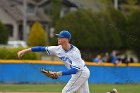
(78, 82)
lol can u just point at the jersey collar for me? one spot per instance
(71, 47)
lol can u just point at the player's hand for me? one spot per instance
(50, 74)
(20, 53)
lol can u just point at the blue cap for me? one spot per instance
(64, 34)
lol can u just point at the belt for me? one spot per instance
(77, 67)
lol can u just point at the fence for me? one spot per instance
(25, 71)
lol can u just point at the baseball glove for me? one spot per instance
(50, 74)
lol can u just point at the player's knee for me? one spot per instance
(65, 90)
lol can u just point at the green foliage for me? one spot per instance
(108, 35)
(56, 6)
(133, 30)
(106, 30)
(3, 34)
(90, 30)
(37, 36)
(118, 25)
(130, 5)
(104, 4)
(11, 53)
(74, 23)
(132, 2)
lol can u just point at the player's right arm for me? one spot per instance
(50, 50)
(33, 49)
(22, 52)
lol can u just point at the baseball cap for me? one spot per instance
(64, 34)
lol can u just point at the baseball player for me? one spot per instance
(71, 57)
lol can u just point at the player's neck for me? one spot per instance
(66, 46)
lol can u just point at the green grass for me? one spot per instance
(94, 88)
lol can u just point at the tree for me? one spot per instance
(133, 30)
(90, 30)
(118, 23)
(77, 23)
(37, 35)
(56, 7)
(3, 34)
(130, 5)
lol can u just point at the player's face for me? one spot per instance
(61, 41)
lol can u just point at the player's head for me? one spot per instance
(63, 37)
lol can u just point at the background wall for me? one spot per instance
(30, 73)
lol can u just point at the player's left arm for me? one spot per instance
(68, 72)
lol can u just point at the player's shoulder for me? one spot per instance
(54, 47)
(75, 48)
(59, 47)
(75, 53)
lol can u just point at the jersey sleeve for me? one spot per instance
(51, 50)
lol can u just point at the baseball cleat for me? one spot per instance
(113, 91)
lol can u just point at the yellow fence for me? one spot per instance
(61, 63)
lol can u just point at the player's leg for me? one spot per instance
(76, 81)
(84, 88)
(73, 84)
